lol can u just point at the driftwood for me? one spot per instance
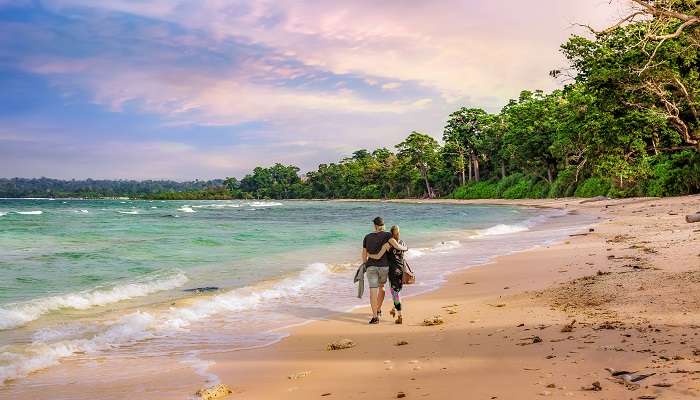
(594, 199)
(690, 218)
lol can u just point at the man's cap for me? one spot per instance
(379, 221)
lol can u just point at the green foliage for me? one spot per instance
(594, 186)
(477, 190)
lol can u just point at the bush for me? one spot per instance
(676, 175)
(594, 186)
(476, 190)
(564, 185)
(539, 190)
(518, 191)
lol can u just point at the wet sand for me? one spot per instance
(632, 286)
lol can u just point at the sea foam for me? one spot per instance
(265, 204)
(186, 209)
(500, 229)
(139, 325)
(18, 314)
(30, 212)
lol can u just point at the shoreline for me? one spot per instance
(265, 372)
(479, 330)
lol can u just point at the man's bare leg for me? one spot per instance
(380, 300)
(373, 297)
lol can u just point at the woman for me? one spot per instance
(396, 248)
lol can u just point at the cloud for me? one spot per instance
(460, 48)
(209, 89)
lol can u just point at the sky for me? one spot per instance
(192, 89)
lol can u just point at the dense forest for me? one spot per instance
(91, 188)
(626, 123)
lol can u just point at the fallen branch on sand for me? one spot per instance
(691, 218)
(594, 199)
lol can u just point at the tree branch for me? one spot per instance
(653, 10)
(678, 31)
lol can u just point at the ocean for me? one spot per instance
(94, 279)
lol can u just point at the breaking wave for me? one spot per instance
(18, 314)
(500, 229)
(140, 326)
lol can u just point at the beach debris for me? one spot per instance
(469, 283)
(340, 344)
(611, 325)
(530, 340)
(593, 387)
(692, 218)
(202, 289)
(299, 375)
(663, 384)
(214, 392)
(498, 305)
(627, 377)
(435, 320)
(325, 394)
(594, 199)
(400, 395)
(401, 343)
(619, 238)
(569, 327)
(647, 397)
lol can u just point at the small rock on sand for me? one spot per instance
(400, 395)
(215, 392)
(299, 375)
(340, 344)
(401, 343)
(436, 320)
(594, 387)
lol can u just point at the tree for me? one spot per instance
(530, 126)
(420, 150)
(466, 134)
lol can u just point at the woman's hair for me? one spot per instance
(395, 231)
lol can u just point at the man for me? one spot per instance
(377, 271)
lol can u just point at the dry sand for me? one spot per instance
(632, 285)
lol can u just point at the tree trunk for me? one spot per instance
(462, 177)
(503, 169)
(429, 190)
(408, 189)
(549, 174)
(476, 169)
(470, 170)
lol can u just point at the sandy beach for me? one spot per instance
(632, 286)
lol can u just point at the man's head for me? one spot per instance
(378, 224)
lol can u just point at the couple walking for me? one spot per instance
(382, 257)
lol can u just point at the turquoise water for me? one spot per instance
(79, 245)
(109, 277)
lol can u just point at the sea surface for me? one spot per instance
(93, 279)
